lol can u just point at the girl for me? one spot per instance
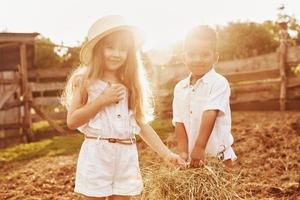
(108, 102)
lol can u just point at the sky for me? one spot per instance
(162, 21)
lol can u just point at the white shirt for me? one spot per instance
(211, 92)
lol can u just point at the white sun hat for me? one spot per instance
(104, 27)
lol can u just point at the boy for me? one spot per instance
(201, 111)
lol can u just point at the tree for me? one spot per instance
(49, 55)
(294, 25)
(241, 40)
(71, 58)
(45, 56)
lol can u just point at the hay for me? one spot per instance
(209, 182)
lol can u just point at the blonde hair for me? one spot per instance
(132, 74)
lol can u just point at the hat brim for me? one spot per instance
(87, 49)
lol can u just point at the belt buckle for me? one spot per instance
(112, 140)
(132, 140)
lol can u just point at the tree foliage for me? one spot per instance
(50, 55)
(241, 40)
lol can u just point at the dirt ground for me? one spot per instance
(267, 145)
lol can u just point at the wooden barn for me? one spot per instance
(18, 108)
(16, 57)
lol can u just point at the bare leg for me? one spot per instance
(228, 164)
(118, 197)
(94, 198)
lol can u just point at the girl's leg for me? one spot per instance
(94, 198)
(118, 197)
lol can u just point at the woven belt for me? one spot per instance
(127, 141)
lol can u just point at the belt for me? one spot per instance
(127, 141)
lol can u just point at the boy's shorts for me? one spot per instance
(229, 154)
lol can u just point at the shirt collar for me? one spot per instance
(209, 76)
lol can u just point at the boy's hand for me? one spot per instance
(113, 94)
(197, 157)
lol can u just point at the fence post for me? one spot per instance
(283, 50)
(26, 129)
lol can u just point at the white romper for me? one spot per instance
(104, 168)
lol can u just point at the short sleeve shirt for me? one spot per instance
(211, 92)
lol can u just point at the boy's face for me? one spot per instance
(199, 56)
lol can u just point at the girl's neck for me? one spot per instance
(111, 76)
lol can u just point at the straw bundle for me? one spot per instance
(209, 182)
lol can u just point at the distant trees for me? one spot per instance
(45, 55)
(241, 40)
(49, 55)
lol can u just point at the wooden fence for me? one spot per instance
(255, 86)
(16, 56)
(27, 94)
(31, 94)
(46, 87)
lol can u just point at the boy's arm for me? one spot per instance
(218, 100)
(207, 124)
(182, 140)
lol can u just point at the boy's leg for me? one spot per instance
(228, 163)
(118, 197)
(93, 198)
(228, 156)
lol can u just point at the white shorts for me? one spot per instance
(106, 169)
(229, 154)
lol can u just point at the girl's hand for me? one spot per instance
(113, 94)
(177, 160)
(184, 156)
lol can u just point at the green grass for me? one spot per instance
(43, 126)
(163, 127)
(59, 145)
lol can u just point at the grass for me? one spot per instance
(40, 127)
(163, 127)
(43, 126)
(55, 146)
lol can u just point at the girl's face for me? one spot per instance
(115, 51)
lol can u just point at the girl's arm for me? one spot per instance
(153, 140)
(81, 112)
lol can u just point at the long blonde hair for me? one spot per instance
(132, 74)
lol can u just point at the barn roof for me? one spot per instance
(17, 37)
